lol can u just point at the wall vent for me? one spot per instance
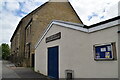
(69, 74)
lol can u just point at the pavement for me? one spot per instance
(11, 72)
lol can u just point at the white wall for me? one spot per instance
(40, 58)
(76, 53)
(106, 69)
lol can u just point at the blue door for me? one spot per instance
(53, 62)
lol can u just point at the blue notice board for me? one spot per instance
(103, 52)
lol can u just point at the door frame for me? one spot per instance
(58, 58)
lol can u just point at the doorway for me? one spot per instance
(53, 62)
(33, 59)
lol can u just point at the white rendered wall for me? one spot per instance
(76, 53)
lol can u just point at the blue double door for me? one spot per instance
(53, 62)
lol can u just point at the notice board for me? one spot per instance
(104, 52)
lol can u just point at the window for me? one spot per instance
(28, 30)
(27, 39)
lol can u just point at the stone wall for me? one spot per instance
(41, 17)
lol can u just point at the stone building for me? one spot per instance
(31, 27)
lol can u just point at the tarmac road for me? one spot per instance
(7, 72)
(11, 72)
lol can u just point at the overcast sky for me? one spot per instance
(89, 11)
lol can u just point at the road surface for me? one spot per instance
(10, 72)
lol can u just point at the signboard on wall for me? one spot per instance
(104, 51)
(53, 37)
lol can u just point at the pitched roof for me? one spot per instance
(80, 27)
